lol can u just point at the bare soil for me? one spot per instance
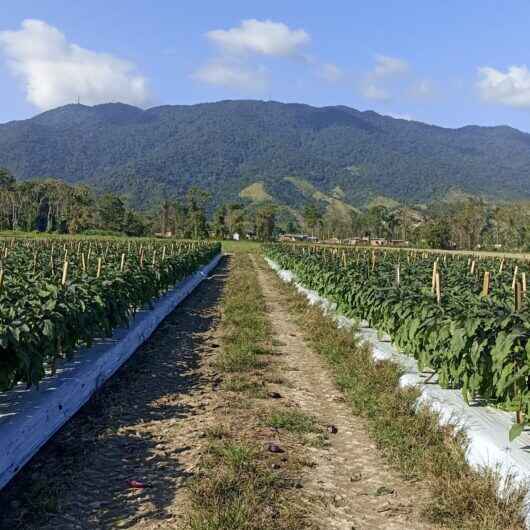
(149, 422)
(355, 487)
(146, 425)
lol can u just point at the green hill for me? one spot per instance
(292, 153)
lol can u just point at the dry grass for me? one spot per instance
(239, 484)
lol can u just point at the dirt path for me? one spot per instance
(356, 488)
(146, 425)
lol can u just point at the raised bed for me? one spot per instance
(485, 427)
(30, 417)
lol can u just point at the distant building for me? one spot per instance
(398, 243)
(297, 237)
(332, 241)
(235, 236)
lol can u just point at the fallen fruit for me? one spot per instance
(136, 484)
(274, 448)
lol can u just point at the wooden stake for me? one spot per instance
(514, 277)
(434, 272)
(98, 273)
(501, 266)
(518, 296)
(65, 273)
(523, 280)
(486, 284)
(398, 276)
(122, 264)
(83, 262)
(438, 289)
(1, 278)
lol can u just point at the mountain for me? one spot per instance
(255, 150)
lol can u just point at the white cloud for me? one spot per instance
(330, 72)
(56, 72)
(510, 88)
(386, 66)
(376, 83)
(422, 89)
(232, 75)
(260, 37)
(372, 91)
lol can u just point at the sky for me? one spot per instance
(450, 63)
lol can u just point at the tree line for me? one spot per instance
(468, 223)
(52, 206)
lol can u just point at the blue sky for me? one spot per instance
(449, 63)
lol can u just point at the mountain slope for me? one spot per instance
(229, 146)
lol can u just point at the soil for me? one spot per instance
(356, 488)
(145, 425)
(148, 424)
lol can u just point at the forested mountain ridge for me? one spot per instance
(232, 146)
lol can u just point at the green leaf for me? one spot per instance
(515, 431)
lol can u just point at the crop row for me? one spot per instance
(58, 295)
(465, 318)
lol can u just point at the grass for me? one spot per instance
(245, 324)
(292, 420)
(461, 498)
(236, 490)
(236, 486)
(243, 383)
(233, 247)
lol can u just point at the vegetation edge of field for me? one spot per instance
(410, 438)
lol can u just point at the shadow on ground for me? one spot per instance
(130, 430)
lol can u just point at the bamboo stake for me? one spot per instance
(1, 278)
(518, 296)
(98, 273)
(486, 284)
(515, 276)
(122, 264)
(523, 279)
(65, 273)
(434, 272)
(438, 289)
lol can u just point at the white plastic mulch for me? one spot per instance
(486, 428)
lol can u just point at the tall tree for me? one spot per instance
(197, 199)
(265, 220)
(312, 217)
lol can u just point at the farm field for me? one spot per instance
(465, 318)
(59, 294)
(248, 408)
